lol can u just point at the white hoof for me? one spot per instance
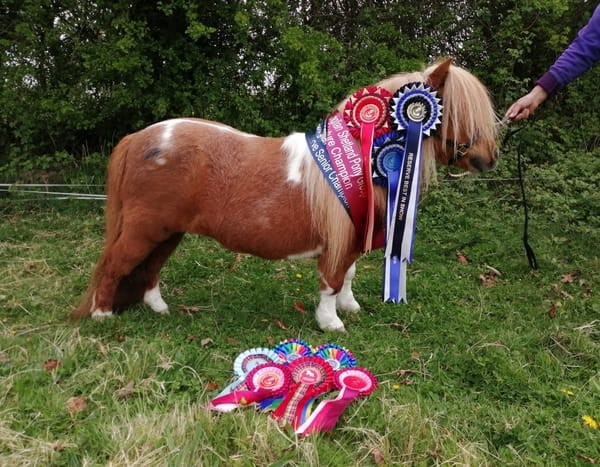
(333, 327)
(328, 320)
(345, 299)
(154, 300)
(100, 315)
(347, 304)
(326, 316)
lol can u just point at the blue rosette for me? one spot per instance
(388, 153)
(246, 361)
(416, 102)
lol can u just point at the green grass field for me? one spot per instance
(477, 369)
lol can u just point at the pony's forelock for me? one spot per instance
(467, 104)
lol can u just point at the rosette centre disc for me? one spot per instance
(370, 112)
(269, 378)
(356, 382)
(357, 379)
(309, 376)
(416, 111)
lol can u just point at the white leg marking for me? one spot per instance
(153, 299)
(99, 314)
(345, 299)
(297, 150)
(326, 315)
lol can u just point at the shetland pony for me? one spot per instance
(257, 195)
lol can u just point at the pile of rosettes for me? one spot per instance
(292, 380)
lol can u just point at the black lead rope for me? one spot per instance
(530, 254)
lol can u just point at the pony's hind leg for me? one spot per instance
(123, 281)
(153, 264)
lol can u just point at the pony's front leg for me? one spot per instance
(345, 299)
(326, 314)
(336, 290)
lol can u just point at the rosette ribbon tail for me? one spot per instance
(312, 376)
(367, 134)
(403, 197)
(327, 413)
(293, 406)
(236, 399)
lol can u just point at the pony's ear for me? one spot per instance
(438, 75)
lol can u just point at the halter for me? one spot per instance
(462, 149)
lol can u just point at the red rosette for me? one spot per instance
(312, 372)
(359, 380)
(274, 378)
(368, 105)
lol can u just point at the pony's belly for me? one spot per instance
(272, 249)
(268, 240)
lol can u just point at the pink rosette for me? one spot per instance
(264, 381)
(367, 116)
(245, 362)
(311, 376)
(359, 380)
(352, 383)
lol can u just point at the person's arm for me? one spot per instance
(579, 57)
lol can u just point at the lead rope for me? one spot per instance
(528, 250)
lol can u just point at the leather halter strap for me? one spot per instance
(462, 149)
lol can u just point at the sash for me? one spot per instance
(339, 159)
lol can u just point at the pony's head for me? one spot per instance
(467, 136)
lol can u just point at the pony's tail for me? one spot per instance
(113, 220)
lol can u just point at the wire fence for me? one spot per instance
(57, 191)
(92, 192)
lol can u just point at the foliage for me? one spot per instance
(78, 75)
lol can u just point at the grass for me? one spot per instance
(477, 369)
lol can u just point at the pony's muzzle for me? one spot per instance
(481, 163)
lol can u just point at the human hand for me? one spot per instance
(526, 105)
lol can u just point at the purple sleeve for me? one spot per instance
(580, 56)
